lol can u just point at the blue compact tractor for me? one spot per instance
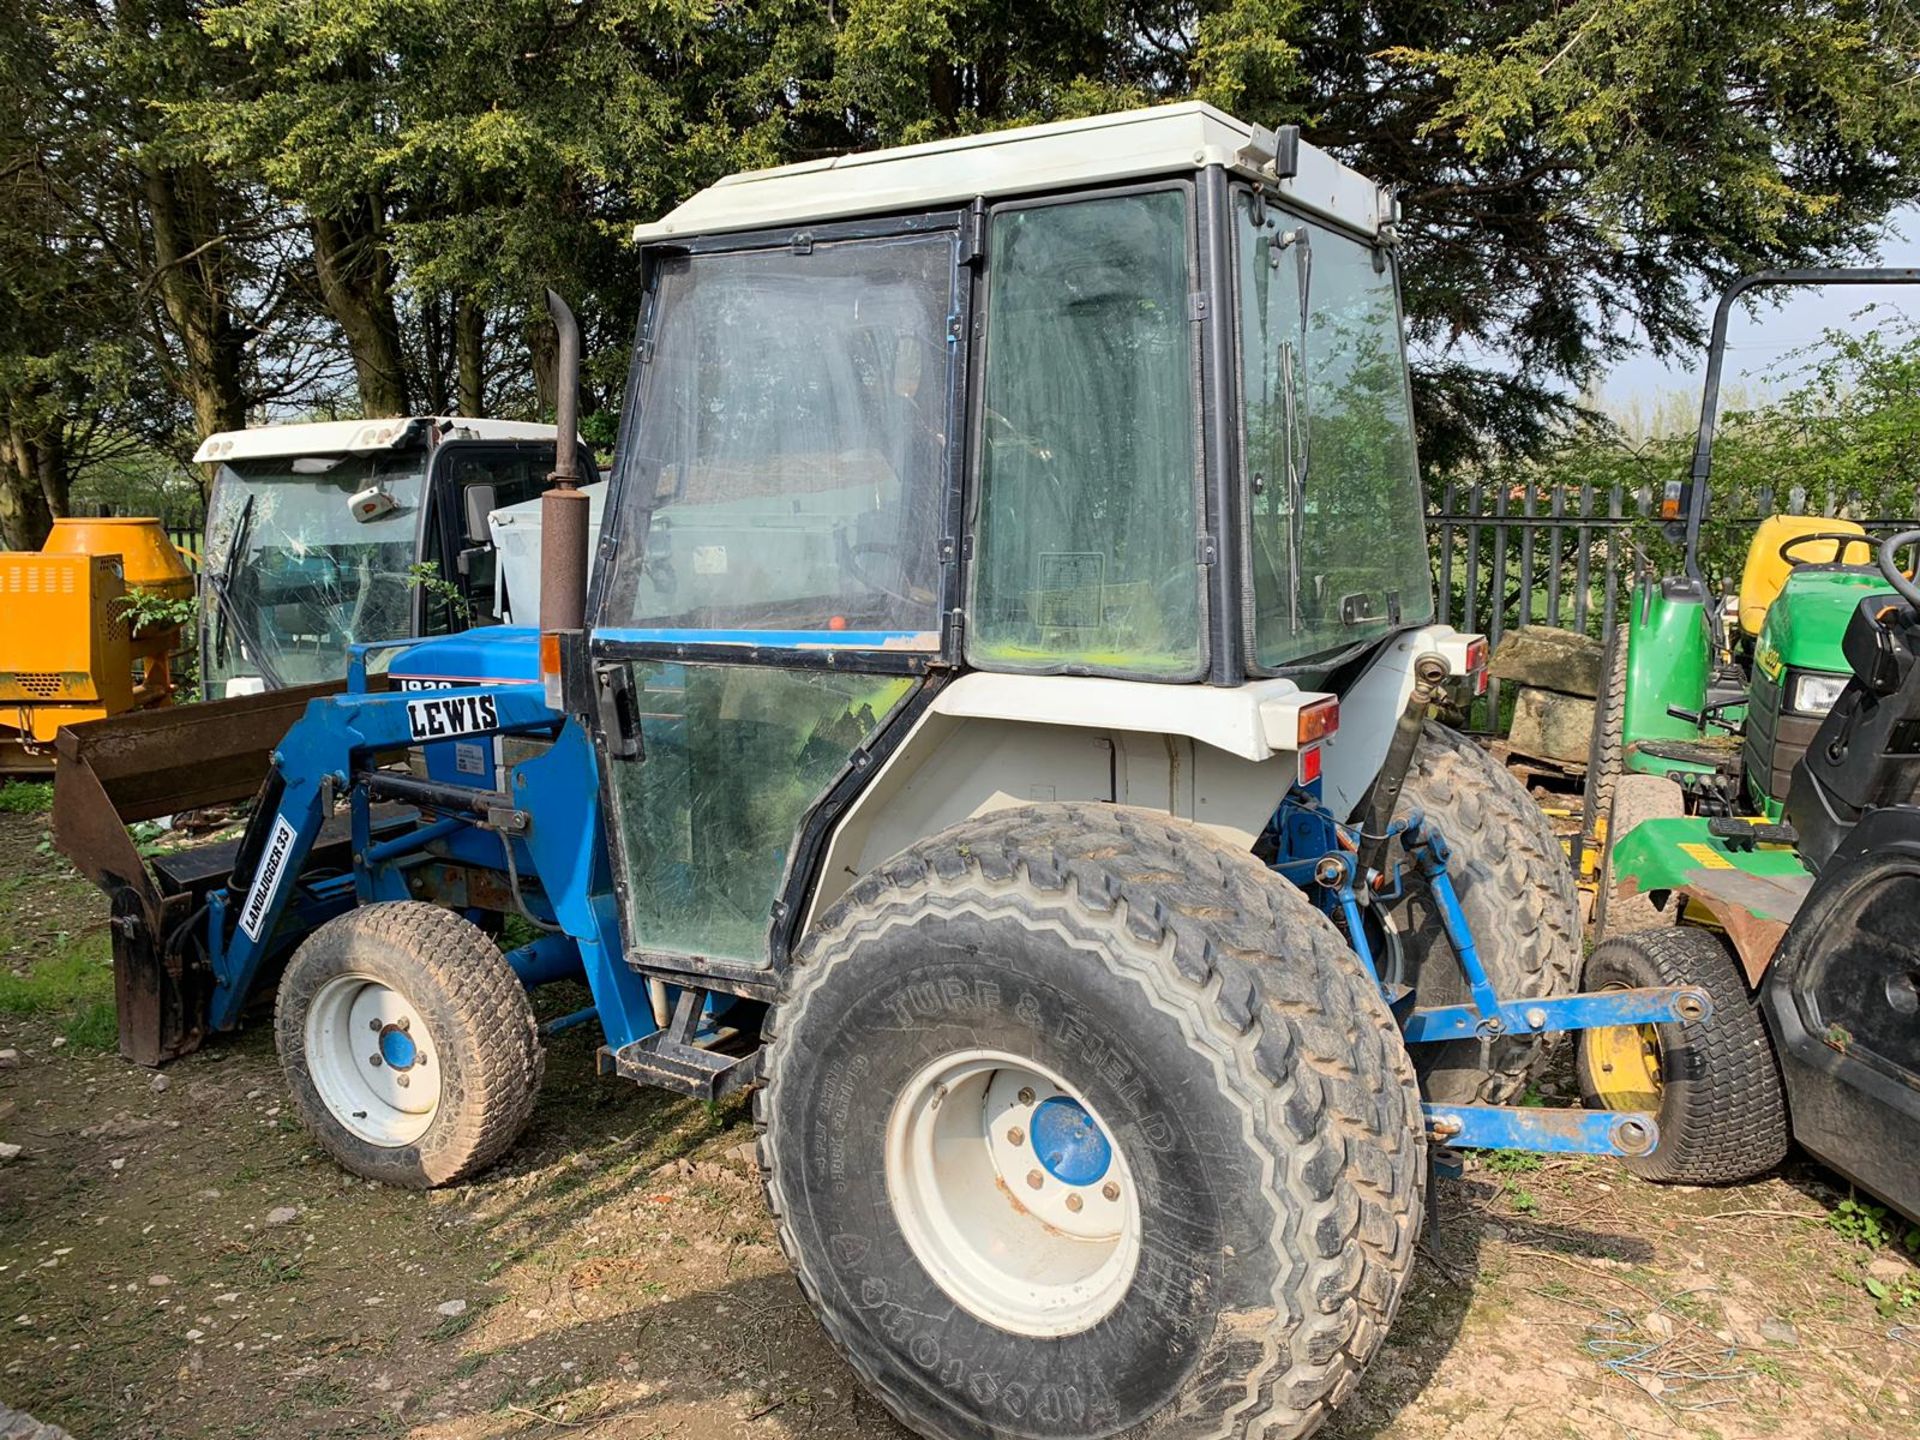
(996, 735)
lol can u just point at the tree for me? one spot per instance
(1573, 174)
(70, 352)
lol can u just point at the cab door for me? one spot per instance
(778, 571)
(466, 480)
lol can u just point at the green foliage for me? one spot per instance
(425, 575)
(26, 797)
(1873, 1226)
(208, 207)
(75, 981)
(147, 610)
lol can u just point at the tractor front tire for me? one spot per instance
(1636, 800)
(408, 1044)
(1517, 891)
(1714, 1086)
(1078, 1122)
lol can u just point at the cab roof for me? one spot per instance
(1104, 149)
(359, 437)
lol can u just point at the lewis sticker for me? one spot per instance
(442, 716)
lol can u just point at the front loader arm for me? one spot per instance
(331, 750)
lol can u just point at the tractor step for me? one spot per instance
(672, 1060)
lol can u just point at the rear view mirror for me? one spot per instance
(371, 503)
(480, 502)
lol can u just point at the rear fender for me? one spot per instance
(1669, 655)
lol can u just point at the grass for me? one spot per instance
(76, 981)
(26, 797)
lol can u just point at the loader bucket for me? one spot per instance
(138, 766)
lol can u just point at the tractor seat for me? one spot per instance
(1766, 573)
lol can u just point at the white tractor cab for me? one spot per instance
(318, 536)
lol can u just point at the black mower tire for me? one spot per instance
(1254, 1080)
(1636, 800)
(484, 1040)
(1518, 894)
(1723, 1103)
(1606, 750)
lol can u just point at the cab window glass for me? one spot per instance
(1336, 532)
(1089, 458)
(788, 463)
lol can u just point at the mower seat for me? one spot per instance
(1766, 572)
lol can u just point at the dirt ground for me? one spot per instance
(177, 1260)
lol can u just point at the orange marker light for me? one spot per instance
(837, 622)
(1318, 721)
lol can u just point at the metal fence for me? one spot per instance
(1565, 556)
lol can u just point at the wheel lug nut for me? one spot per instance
(1016, 1136)
(1074, 1202)
(404, 1023)
(374, 1060)
(374, 1025)
(1026, 1095)
(1036, 1179)
(1110, 1190)
(402, 1079)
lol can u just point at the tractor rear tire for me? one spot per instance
(1721, 1102)
(1264, 1148)
(408, 1043)
(1636, 800)
(1517, 892)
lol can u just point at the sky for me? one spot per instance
(1759, 342)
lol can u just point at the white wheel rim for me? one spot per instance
(1011, 1193)
(373, 1061)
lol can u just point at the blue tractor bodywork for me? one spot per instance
(501, 815)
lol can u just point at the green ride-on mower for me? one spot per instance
(997, 736)
(1705, 706)
(1807, 935)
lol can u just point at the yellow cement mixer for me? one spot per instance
(70, 650)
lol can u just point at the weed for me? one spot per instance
(150, 611)
(97, 1027)
(76, 978)
(1872, 1226)
(454, 1325)
(280, 1271)
(1895, 1297)
(26, 797)
(1522, 1199)
(1512, 1162)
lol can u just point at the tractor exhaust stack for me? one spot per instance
(564, 509)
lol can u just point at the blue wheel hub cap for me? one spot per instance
(1070, 1145)
(397, 1047)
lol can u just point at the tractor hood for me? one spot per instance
(1804, 626)
(491, 655)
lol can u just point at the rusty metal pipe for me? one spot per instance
(563, 508)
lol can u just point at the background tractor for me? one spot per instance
(996, 735)
(1804, 933)
(323, 535)
(1706, 706)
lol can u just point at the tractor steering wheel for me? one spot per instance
(1896, 577)
(1843, 539)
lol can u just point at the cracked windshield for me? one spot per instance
(305, 556)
